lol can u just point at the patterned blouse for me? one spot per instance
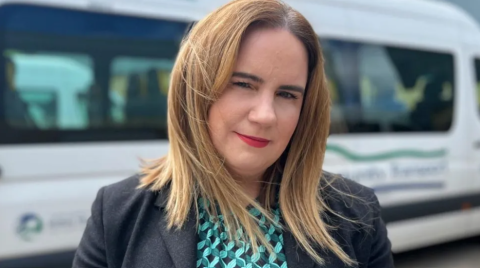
(215, 250)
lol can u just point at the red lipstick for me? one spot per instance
(253, 141)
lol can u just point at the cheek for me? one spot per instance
(220, 120)
(288, 123)
(227, 111)
(215, 122)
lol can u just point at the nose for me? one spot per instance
(263, 110)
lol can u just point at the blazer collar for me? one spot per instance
(182, 243)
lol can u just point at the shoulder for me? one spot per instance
(332, 183)
(354, 213)
(125, 188)
(351, 207)
(117, 211)
(349, 198)
(123, 199)
(122, 206)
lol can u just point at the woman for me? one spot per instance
(242, 184)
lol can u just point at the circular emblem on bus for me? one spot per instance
(30, 225)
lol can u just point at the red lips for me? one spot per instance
(253, 141)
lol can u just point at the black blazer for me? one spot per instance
(127, 228)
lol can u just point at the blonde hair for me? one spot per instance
(193, 168)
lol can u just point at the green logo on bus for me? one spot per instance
(30, 226)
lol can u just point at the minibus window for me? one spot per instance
(377, 88)
(138, 91)
(76, 76)
(44, 90)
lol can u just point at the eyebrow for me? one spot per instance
(248, 76)
(260, 80)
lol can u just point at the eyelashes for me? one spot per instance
(242, 85)
(286, 95)
(282, 94)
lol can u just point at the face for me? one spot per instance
(255, 117)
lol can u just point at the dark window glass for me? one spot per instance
(378, 88)
(73, 76)
(138, 91)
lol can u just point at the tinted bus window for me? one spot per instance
(388, 89)
(138, 90)
(73, 76)
(43, 90)
(477, 71)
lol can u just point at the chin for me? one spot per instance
(249, 167)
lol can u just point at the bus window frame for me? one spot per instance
(476, 79)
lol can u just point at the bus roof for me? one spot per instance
(191, 10)
(429, 9)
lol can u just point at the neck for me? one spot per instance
(251, 188)
(251, 185)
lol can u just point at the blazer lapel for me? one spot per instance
(295, 255)
(180, 243)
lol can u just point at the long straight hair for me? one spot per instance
(193, 168)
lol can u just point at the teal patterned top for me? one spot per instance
(215, 250)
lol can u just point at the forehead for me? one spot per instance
(267, 51)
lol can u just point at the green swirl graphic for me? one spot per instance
(408, 153)
(30, 226)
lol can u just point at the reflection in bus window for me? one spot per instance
(477, 71)
(138, 91)
(42, 107)
(387, 89)
(43, 90)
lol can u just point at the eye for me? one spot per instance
(286, 95)
(242, 84)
